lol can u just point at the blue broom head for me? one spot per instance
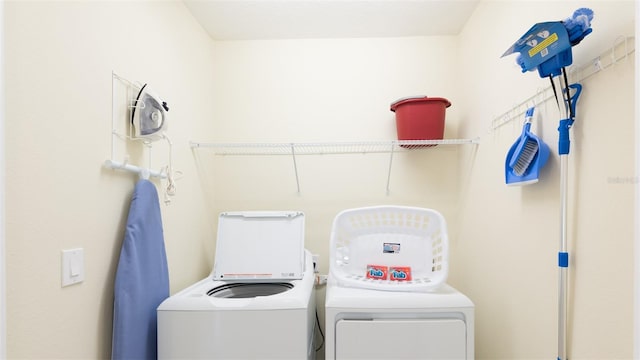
(578, 26)
(547, 45)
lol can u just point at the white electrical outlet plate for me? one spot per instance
(72, 266)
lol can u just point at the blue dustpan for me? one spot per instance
(526, 156)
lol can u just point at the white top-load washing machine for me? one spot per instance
(258, 302)
(387, 296)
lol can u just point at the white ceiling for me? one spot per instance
(298, 19)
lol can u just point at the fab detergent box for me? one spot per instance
(400, 273)
(378, 272)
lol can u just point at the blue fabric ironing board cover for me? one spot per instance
(142, 278)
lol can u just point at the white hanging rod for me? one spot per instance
(142, 172)
(576, 74)
(321, 148)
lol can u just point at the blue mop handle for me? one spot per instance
(564, 143)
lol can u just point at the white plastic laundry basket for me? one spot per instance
(389, 237)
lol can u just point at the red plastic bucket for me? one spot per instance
(420, 118)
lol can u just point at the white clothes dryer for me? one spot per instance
(376, 324)
(387, 296)
(258, 302)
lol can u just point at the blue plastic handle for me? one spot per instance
(564, 143)
(574, 98)
(563, 259)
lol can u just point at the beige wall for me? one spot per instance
(328, 91)
(509, 237)
(60, 56)
(503, 240)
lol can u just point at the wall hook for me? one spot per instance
(144, 174)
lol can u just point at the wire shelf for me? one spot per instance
(320, 148)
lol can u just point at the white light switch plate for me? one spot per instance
(72, 266)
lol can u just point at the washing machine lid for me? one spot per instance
(260, 246)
